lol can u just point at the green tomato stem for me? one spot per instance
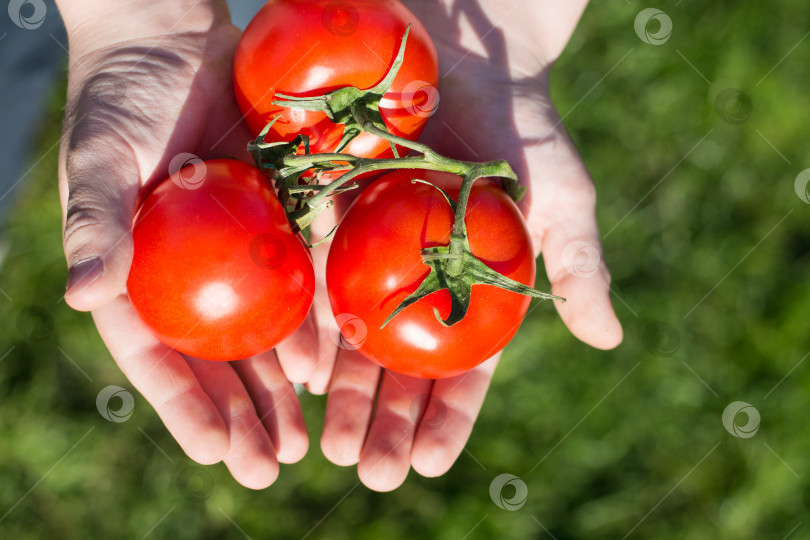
(429, 160)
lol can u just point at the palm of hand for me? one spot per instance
(173, 103)
(497, 107)
(133, 108)
(491, 107)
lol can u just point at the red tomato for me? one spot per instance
(217, 272)
(307, 48)
(374, 264)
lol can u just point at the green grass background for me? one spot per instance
(607, 443)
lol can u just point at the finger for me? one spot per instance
(348, 407)
(448, 420)
(572, 253)
(563, 222)
(321, 310)
(298, 354)
(251, 458)
(99, 184)
(328, 351)
(276, 404)
(165, 380)
(386, 456)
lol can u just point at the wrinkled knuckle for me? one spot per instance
(176, 397)
(107, 90)
(243, 414)
(124, 86)
(103, 115)
(395, 418)
(97, 127)
(97, 191)
(81, 215)
(93, 119)
(103, 92)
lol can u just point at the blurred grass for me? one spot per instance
(708, 246)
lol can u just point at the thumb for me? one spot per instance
(99, 185)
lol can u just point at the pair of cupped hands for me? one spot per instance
(153, 86)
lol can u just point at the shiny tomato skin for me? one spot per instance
(217, 272)
(374, 263)
(311, 47)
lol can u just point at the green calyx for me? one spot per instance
(342, 105)
(456, 269)
(297, 177)
(473, 272)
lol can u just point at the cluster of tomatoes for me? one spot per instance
(219, 272)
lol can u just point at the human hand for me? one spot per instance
(147, 83)
(495, 104)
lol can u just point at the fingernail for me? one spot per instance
(82, 274)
